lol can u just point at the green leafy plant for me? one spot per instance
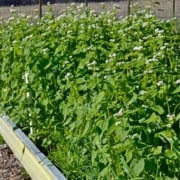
(102, 98)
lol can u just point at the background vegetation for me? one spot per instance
(99, 95)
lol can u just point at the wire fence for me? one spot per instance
(161, 8)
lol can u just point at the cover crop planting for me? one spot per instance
(102, 94)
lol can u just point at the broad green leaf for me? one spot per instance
(111, 129)
(157, 150)
(153, 119)
(94, 155)
(3, 76)
(132, 100)
(158, 109)
(168, 134)
(177, 90)
(26, 51)
(139, 167)
(80, 80)
(82, 87)
(104, 172)
(170, 154)
(178, 117)
(129, 156)
(99, 97)
(86, 128)
(126, 168)
(122, 133)
(105, 125)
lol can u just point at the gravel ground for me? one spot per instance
(10, 167)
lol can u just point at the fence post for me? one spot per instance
(86, 2)
(40, 8)
(129, 7)
(174, 5)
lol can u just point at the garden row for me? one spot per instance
(98, 94)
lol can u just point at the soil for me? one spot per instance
(10, 167)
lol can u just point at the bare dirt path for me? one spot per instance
(10, 167)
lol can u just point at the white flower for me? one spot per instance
(151, 60)
(112, 40)
(117, 123)
(67, 75)
(45, 50)
(137, 48)
(120, 31)
(36, 10)
(28, 37)
(92, 11)
(11, 18)
(96, 74)
(178, 81)
(29, 17)
(26, 77)
(120, 63)
(12, 10)
(105, 77)
(170, 116)
(144, 24)
(112, 55)
(116, 6)
(93, 63)
(160, 35)
(142, 92)
(169, 125)
(14, 42)
(148, 15)
(157, 30)
(148, 72)
(166, 44)
(107, 61)
(134, 136)
(147, 37)
(109, 20)
(28, 94)
(160, 83)
(162, 47)
(119, 113)
(80, 6)
(144, 106)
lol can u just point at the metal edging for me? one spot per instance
(35, 162)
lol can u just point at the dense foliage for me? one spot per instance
(99, 94)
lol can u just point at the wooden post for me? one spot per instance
(174, 5)
(86, 2)
(40, 8)
(129, 7)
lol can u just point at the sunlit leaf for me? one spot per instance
(158, 109)
(157, 150)
(177, 90)
(139, 167)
